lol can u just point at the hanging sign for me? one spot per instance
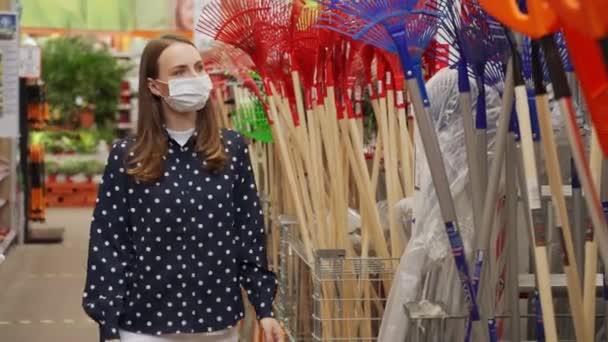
(9, 75)
(29, 61)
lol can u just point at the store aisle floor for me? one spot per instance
(41, 286)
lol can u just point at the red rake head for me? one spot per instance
(304, 55)
(236, 63)
(249, 25)
(228, 59)
(358, 66)
(306, 42)
(232, 21)
(223, 56)
(272, 44)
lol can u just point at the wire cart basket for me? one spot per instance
(332, 297)
(338, 298)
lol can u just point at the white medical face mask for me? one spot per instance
(189, 94)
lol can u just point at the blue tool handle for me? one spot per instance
(540, 325)
(475, 284)
(481, 121)
(412, 67)
(469, 331)
(514, 125)
(534, 125)
(464, 86)
(477, 271)
(605, 285)
(462, 267)
(493, 331)
(576, 182)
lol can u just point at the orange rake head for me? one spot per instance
(539, 21)
(587, 16)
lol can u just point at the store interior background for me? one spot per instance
(44, 249)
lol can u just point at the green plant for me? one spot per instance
(81, 75)
(80, 141)
(106, 134)
(70, 168)
(100, 167)
(92, 167)
(68, 142)
(87, 142)
(52, 167)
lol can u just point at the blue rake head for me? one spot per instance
(494, 73)
(383, 23)
(527, 57)
(483, 45)
(483, 38)
(478, 47)
(357, 21)
(560, 40)
(448, 30)
(373, 12)
(402, 27)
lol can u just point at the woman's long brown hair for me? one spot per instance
(146, 163)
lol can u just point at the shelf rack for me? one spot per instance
(10, 214)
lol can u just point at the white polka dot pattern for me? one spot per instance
(170, 257)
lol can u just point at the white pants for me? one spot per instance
(228, 335)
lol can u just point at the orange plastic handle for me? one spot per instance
(593, 78)
(587, 16)
(539, 21)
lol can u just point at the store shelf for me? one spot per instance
(123, 55)
(148, 34)
(527, 282)
(71, 195)
(124, 107)
(126, 125)
(9, 195)
(6, 243)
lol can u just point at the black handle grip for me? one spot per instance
(518, 76)
(604, 48)
(537, 70)
(556, 68)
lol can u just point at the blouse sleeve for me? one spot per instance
(259, 282)
(110, 249)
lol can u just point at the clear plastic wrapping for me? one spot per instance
(427, 265)
(428, 248)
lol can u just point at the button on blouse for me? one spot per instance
(171, 256)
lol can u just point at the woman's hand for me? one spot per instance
(272, 330)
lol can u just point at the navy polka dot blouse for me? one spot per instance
(171, 256)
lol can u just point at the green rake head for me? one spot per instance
(250, 120)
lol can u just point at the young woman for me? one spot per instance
(178, 227)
